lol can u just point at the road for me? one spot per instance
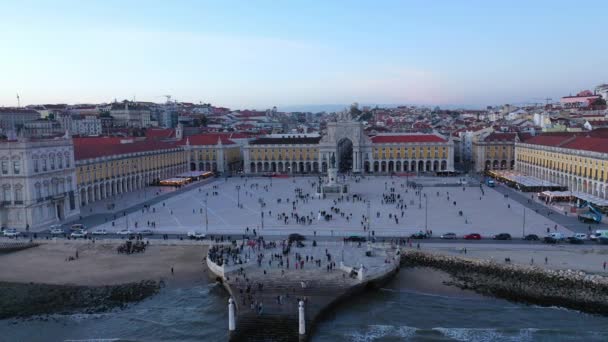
(570, 221)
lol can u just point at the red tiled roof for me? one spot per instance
(406, 138)
(548, 140)
(496, 136)
(160, 133)
(209, 139)
(95, 147)
(588, 144)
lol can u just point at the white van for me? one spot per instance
(557, 236)
(580, 236)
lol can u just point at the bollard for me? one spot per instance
(302, 325)
(361, 275)
(231, 322)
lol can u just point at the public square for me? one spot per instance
(235, 204)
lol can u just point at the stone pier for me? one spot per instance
(267, 295)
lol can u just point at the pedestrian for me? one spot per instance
(604, 265)
(171, 270)
(546, 260)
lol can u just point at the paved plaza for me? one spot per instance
(436, 208)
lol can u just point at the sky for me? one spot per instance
(261, 53)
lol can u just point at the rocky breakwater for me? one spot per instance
(565, 288)
(28, 299)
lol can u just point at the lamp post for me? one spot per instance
(426, 214)
(206, 217)
(523, 226)
(262, 213)
(238, 196)
(369, 218)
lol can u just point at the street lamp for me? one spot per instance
(206, 217)
(426, 213)
(262, 213)
(238, 196)
(369, 218)
(523, 226)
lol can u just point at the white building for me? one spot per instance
(602, 90)
(13, 119)
(130, 114)
(37, 182)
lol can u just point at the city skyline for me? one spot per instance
(258, 55)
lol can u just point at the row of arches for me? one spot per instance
(573, 182)
(105, 189)
(405, 166)
(286, 167)
(203, 166)
(499, 165)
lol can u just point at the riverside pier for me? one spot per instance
(279, 290)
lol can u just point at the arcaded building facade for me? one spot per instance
(578, 162)
(37, 182)
(354, 150)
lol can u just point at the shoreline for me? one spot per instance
(562, 288)
(44, 280)
(22, 300)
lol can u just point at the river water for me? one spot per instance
(415, 306)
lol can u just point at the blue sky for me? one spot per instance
(256, 54)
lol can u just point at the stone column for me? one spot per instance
(231, 316)
(302, 319)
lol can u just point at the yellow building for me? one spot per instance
(353, 152)
(109, 166)
(214, 152)
(495, 151)
(282, 154)
(576, 161)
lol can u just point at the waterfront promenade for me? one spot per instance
(269, 285)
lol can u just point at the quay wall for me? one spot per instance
(564, 288)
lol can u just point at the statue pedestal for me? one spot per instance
(333, 184)
(332, 176)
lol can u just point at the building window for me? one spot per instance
(60, 162)
(52, 163)
(6, 194)
(4, 167)
(18, 196)
(43, 164)
(35, 165)
(67, 161)
(17, 167)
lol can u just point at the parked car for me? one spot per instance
(79, 234)
(557, 236)
(355, 238)
(296, 237)
(449, 236)
(580, 236)
(419, 235)
(57, 231)
(100, 232)
(550, 239)
(11, 232)
(472, 236)
(150, 232)
(502, 236)
(531, 237)
(192, 235)
(78, 226)
(575, 241)
(125, 232)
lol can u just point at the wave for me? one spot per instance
(426, 294)
(377, 331)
